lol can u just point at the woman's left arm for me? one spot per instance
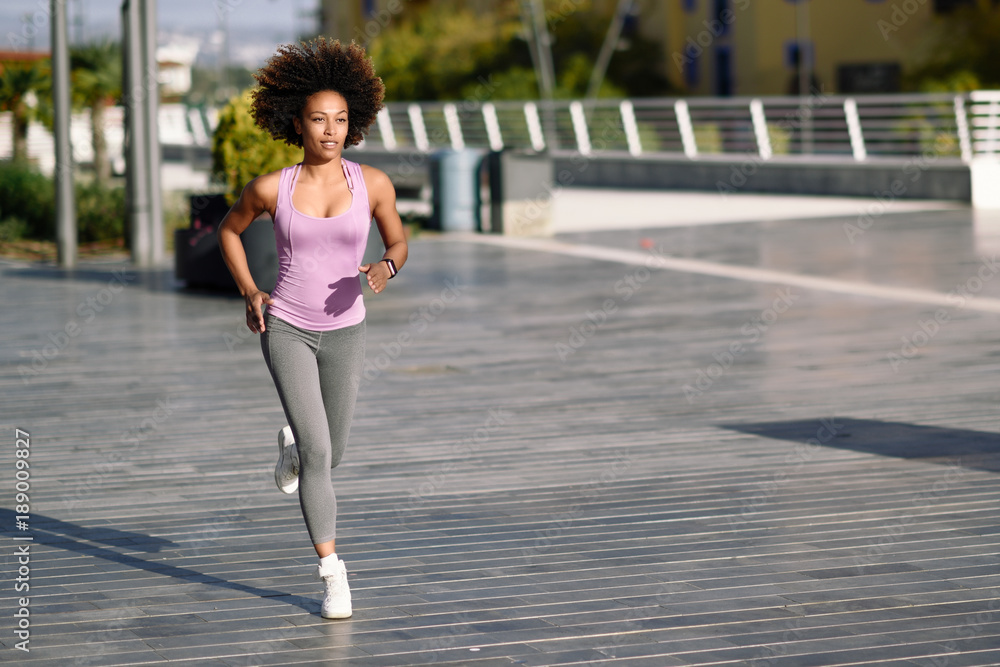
(382, 196)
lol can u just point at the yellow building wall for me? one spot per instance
(841, 31)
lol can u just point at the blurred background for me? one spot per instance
(718, 82)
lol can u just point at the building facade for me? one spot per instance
(773, 47)
(734, 47)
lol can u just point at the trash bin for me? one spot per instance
(521, 193)
(198, 259)
(455, 190)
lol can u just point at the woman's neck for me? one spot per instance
(331, 170)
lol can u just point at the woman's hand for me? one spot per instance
(378, 275)
(255, 302)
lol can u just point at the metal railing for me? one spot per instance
(836, 127)
(829, 127)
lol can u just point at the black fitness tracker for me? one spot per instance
(392, 267)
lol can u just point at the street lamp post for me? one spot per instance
(65, 204)
(141, 95)
(805, 70)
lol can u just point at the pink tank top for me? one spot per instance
(318, 258)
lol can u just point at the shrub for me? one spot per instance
(12, 229)
(100, 212)
(30, 208)
(29, 196)
(241, 151)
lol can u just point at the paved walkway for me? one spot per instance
(586, 452)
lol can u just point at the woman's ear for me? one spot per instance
(297, 124)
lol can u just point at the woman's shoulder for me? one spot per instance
(374, 178)
(266, 185)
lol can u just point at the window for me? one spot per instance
(689, 5)
(723, 71)
(794, 50)
(948, 6)
(692, 67)
(723, 13)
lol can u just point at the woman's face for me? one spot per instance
(323, 124)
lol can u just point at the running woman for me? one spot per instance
(320, 96)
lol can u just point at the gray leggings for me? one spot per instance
(317, 374)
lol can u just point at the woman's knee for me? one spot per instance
(316, 458)
(335, 458)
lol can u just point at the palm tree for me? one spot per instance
(97, 83)
(18, 82)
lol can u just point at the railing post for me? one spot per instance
(987, 139)
(854, 129)
(962, 128)
(631, 127)
(534, 126)
(384, 121)
(985, 148)
(492, 126)
(454, 127)
(419, 129)
(580, 127)
(686, 128)
(760, 129)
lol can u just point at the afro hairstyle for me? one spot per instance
(298, 71)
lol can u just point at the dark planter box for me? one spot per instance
(198, 259)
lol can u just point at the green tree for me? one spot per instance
(433, 53)
(450, 52)
(97, 83)
(242, 151)
(20, 82)
(965, 53)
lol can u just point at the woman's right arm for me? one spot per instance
(258, 196)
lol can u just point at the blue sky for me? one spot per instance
(255, 25)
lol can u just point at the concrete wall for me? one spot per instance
(905, 179)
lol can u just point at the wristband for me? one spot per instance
(392, 267)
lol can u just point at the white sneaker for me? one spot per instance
(337, 601)
(286, 472)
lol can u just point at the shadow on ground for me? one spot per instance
(81, 539)
(930, 444)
